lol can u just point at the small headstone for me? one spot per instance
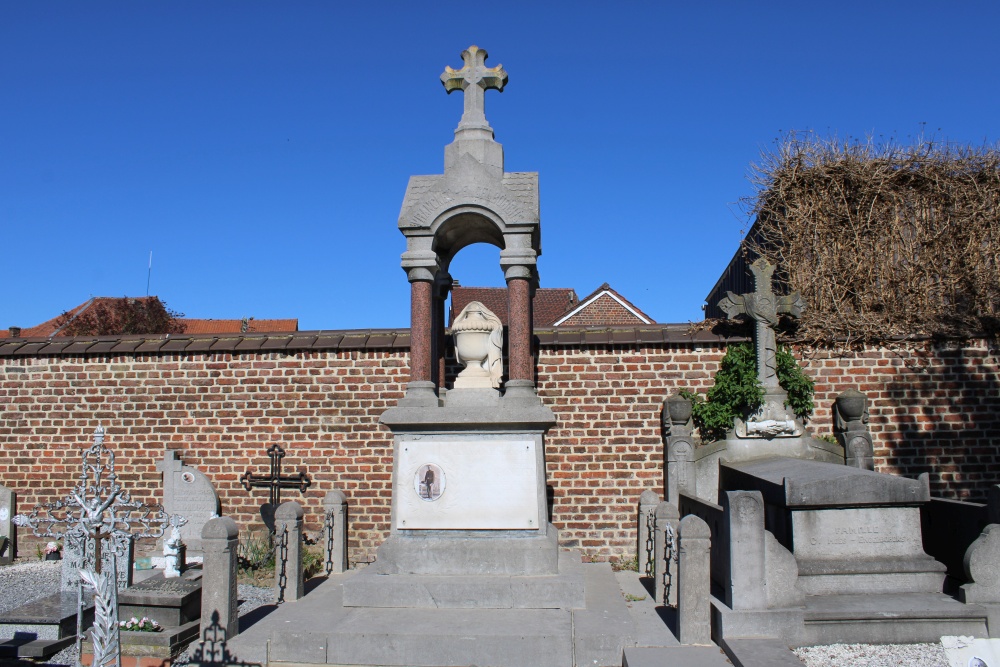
(73, 561)
(8, 531)
(189, 493)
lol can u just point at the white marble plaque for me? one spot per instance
(467, 485)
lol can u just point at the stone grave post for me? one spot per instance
(645, 548)
(335, 532)
(694, 609)
(678, 429)
(745, 576)
(8, 531)
(665, 561)
(220, 541)
(850, 426)
(288, 573)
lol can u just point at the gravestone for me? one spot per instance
(188, 492)
(8, 531)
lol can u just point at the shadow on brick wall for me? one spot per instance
(947, 418)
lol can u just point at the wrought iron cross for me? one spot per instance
(97, 510)
(763, 306)
(275, 481)
(475, 78)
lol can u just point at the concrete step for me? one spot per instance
(419, 591)
(864, 577)
(760, 652)
(447, 638)
(902, 618)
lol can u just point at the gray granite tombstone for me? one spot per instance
(8, 531)
(188, 492)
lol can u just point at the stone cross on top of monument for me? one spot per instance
(764, 307)
(475, 78)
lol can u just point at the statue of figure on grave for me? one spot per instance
(479, 345)
(173, 549)
(763, 306)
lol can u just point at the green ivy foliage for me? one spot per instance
(737, 391)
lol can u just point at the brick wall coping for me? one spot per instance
(350, 339)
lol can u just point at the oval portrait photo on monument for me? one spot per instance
(429, 482)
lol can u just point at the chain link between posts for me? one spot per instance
(650, 546)
(328, 529)
(670, 553)
(282, 563)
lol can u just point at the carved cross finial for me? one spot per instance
(763, 306)
(475, 78)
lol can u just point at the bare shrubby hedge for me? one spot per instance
(883, 241)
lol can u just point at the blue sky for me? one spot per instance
(261, 149)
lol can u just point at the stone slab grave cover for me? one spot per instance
(8, 531)
(189, 493)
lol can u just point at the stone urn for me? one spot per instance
(678, 409)
(478, 335)
(851, 405)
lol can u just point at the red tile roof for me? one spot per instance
(603, 306)
(50, 328)
(548, 304)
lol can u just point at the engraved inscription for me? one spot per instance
(883, 532)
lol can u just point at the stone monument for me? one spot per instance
(189, 493)
(469, 466)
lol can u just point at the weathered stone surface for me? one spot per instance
(220, 541)
(791, 482)
(188, 492)
(171, 602)
(288, 573)
(335, 531)
(782, 575)
(646, 529)
(982, 566)
(744, 524)
(694, 608)
(667, 519)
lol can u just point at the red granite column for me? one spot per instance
(522, 365)
(421, 297)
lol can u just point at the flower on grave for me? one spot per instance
(52, 548)
(140, 625)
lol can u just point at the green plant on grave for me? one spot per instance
(313, 560)
(630, 564)
(737, 391)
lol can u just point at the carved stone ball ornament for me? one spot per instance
(478, 337)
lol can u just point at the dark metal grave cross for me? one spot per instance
(763, 306)
(275, 481)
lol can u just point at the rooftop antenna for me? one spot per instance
(149, 273)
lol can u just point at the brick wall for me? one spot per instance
(933, 409)
(603, 310)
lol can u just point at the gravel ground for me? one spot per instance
(27, 581)
(868, 655)
(23, 582)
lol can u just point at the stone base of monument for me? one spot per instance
(564, 590)
(578, 617)
(43, 627)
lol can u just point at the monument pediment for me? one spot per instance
(513, 199)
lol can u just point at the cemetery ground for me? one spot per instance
(30, 578)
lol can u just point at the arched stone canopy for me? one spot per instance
(473, 201)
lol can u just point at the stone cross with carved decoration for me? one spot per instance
(764, 307)
(475, 78)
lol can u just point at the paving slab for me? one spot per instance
(675, 656)
(651, 620)
(760, 652)
(605, 627)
